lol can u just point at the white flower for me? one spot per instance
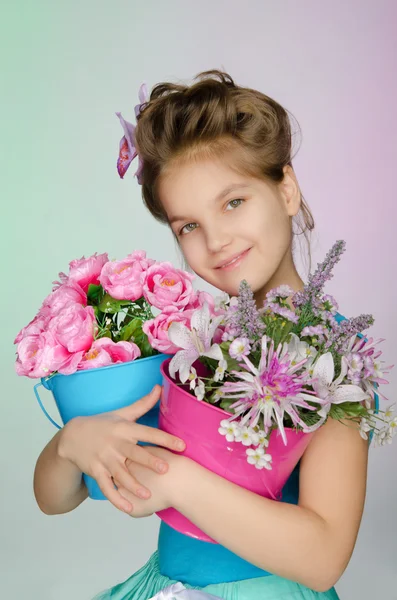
(199, 390)
(233, 301)
(262, 439)
(220, 370)
(221, 301)
(195, 342)
(230, 429)
(364, 428)
(389, 412)
(299, 350)
(332, 392)
(258, 458)
(216, 396)
(192, 378)
(239, 347)
(247, 436)
(392, 430)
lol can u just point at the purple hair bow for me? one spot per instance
(127, 149)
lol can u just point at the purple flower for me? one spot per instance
(283, 311)
(322, 274)
(127, 148)
(360, 352)
(330, 304)
(282, 291)
(270, 390)
(340, 337)
(245, 319)
(319, 331)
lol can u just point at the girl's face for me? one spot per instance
(227, 235)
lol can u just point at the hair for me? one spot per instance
(215, 119)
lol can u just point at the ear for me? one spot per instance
(290, 191)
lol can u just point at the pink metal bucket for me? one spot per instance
(197, 423)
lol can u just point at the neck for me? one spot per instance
(286, 274)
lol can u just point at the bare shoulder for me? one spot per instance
(333, 480)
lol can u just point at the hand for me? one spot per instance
(100, 445)
(161, 486)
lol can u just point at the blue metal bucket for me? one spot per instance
(94, 391)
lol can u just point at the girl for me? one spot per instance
(215, 165)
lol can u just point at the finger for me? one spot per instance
(152, 435)
(143, 457)
(140, 407)
(126, 493)
(129, 482)
(105, 483)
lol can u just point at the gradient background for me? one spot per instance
(67, 68)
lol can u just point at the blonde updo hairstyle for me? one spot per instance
(215, 119)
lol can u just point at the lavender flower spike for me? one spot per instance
(322, 274)
(347, 328)
(246, 319)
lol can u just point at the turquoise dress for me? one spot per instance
(212, 568)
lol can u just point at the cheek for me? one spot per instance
(271, 227)
(193, 251)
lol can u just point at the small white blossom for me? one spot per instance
(385, 435)
(221, 301)
(389, 412)
(247, 436)
(199, 390)
(192, 378)
(230, 429)
(262, 439)
(239, 347)
(220, 370)
(258, 458)
(364, 428)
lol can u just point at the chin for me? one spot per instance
(232, 287)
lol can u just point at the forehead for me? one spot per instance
(199, 184)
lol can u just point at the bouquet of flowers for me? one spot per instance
(100, 318)
(102, 313)
(292, 363)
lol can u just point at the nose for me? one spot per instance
(217, 237)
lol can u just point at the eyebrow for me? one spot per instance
(222, 194)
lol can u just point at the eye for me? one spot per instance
(188, 228)
(235, 203)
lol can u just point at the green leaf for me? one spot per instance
(94, 294)
(225, 405)
(352, 409)
(111, 305)
(133, 329)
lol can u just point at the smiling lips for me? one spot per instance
(232, 263)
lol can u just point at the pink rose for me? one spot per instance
(122, 279)
(166, 286)
(157, 329)
(40, 355)
(104, 352)
(36, 326)
(198, 300)
(74, 327)
(63, 295)
(85, 271)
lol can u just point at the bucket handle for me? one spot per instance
(42, 407)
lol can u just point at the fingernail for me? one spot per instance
(180, 445)
(161, 467)
(143, 493)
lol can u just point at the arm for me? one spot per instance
(310, 543)
(58, 484)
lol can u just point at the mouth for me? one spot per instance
(233, 262)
